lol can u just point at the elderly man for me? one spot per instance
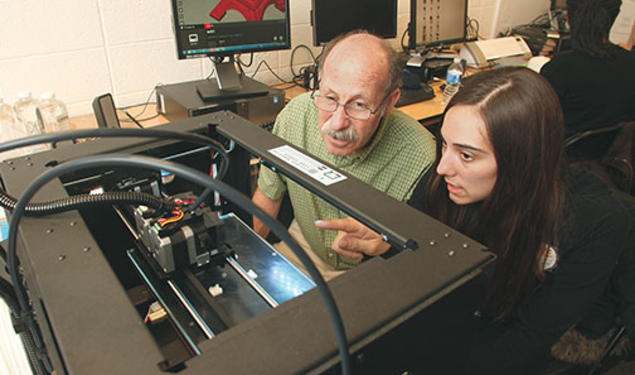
(360, 133)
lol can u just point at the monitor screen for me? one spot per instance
(331, 18)
(434, 22)
(226, 27)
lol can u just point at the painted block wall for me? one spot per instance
(80, 49)
(517, 12)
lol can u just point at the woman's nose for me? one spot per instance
(445, 164)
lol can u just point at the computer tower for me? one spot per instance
(181, 100)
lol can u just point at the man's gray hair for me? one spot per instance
(395, 64)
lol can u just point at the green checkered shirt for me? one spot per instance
(398, 155)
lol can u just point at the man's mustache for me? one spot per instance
(349, 134)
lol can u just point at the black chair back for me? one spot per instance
(608, 152)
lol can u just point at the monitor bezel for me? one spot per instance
(180, 48)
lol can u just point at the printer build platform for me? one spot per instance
(181, 100)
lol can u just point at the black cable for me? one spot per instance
(142, 119)
(271, 70)
(541, 20)
(251, 60)
(293, 54)
(241, 72)
(77, 202)
(404, 47)
(188, 174)
(215, 60)
(85, 200)
(157, 114)
(136, 122)
(123, 133)
(145, 105)
(201, 199)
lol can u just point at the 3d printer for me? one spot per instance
(131, 288)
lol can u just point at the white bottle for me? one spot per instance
(53, 112)
(27, 119)
(453, 80)
(24, 109)
(9, 129)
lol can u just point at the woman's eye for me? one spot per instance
(467, 157)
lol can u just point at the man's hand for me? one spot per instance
(354, 239)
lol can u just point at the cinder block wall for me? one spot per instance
(82, 48)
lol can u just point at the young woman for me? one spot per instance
(594, 80)
(558, 234)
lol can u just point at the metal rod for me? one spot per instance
(195, 315)
(260, 290)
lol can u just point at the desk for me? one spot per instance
(89, 121)
(422, 111)
(429, 110)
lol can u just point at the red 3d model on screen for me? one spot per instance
(252, 10)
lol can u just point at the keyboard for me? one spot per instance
(409, 96)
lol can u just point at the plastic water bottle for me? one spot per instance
(9, 129)
(25, 113)
(453, 80)
(53, 112)
(27, 119)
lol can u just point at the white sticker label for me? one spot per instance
(308, 165)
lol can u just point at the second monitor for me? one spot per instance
(437, 22)
(331, 18)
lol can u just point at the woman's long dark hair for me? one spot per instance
(522, 214)
(591, 22)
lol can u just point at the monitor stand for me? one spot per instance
(229, 85)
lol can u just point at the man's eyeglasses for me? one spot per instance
(353, 109)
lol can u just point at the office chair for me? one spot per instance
(607, 152)
(612, 347)
(590, 144)
(615, 338)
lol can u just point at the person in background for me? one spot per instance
(350, 123)
(558, 233)
(595, 80)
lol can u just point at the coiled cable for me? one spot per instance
(77, 202)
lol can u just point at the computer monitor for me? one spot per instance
(222, 28)
(437, 22)
(331, 18)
